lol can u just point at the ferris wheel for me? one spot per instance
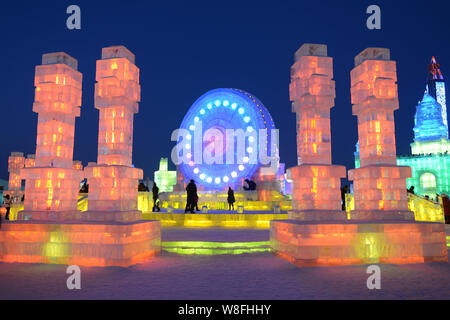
(223, 111)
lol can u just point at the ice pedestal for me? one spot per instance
(113, 193)
(308, 244)
(316, 194)
(83, 244)
(380, 193)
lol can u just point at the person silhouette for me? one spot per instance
(155, 191)
(231, 200)
(7, 205)
(191, 190)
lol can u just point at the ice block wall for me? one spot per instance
(30, 161)
(379, 184)
(316, 183)
(113, 182)
(16, 161)
(51, 184)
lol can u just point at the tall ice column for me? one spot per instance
(51, 186)
(316, 191)
(379, 184)
(113, 181)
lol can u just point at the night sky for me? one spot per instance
(184, 49)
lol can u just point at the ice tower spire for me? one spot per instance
(436, 87)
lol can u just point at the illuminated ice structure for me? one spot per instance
(316, 192)
(430, 158)
(165, 179)
(51, 229)
(52, 185)
(379, 184)
(379, 231)
(436, 88)
(16, 162)
(113, 181)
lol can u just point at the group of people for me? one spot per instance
(192, 198)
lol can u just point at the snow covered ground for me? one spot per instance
(246, 276)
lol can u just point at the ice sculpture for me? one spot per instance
(316, 185)
(379, 184)
(51, 185)
(165, 179)
(113, 181)
(63, 234)
(16, 162)
(428, 120)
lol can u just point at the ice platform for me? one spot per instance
(343, 243)
(80, 243)
(216, 219)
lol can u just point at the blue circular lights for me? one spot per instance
(224, 109)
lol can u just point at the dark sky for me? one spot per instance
(184, 49)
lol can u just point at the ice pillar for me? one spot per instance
(51, 185)
(16, 161)
(113, 181)
(316, 182)
(379, 184)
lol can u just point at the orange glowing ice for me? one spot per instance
(316, 182)
(379, 185)
(112, 180)
(51, 183)
(16, 161)
(30, 161)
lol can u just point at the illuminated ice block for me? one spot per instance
(16, 162)
(316, 182)
(165, 179)
(113, 181)
(83, 244)
(268, 185)
(329, 244)
(30, 161)
(429, 124)
(180, 185)
(51, 184)
(379, 184)
(77, 165)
